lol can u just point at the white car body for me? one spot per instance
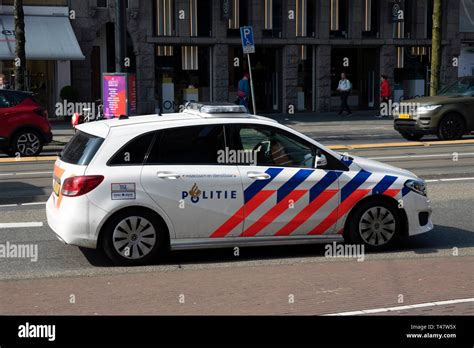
(294, 206)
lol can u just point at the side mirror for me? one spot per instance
(321, 161)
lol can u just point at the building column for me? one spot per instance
(220, 73)
(450, 32)
(323, 78)
(290, 77)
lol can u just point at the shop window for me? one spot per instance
(371, 15)
(339, 13)
(182, 75)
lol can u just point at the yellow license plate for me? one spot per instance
(404, 116)
(56, 187)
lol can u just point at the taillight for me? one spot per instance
(42, 112)
(80, 185)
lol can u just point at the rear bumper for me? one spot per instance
(69, 228)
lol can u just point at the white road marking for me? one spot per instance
(21, 224)
(449, 155)
(448, 180)
(22, 204)
(24, 173)
(401, 308)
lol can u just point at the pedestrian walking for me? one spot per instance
(385, 95)
(344, 88)
(243, 91)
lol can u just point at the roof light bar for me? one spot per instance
(222, 108)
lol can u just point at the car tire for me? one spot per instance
(451, 127)
(376, 224)
(26, 143)
(140, 231)
(412, 136)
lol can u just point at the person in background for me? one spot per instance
(3, 82)
(385, 95)
(344, 88)
(243, 91)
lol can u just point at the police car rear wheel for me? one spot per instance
(133, 238)
(376, 225)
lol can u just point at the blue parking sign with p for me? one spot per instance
(246, 35)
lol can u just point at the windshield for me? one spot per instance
(460, 88)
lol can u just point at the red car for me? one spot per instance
(24, 125)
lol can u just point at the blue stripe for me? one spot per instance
(258, 185)
(405, 191)
(347, 161)
(384, 184)
(354, 184)
(294, 182)
(323, 184)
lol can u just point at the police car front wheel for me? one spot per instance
(133, 237)
(376, 224)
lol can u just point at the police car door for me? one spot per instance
(284, 194)
(189, 179)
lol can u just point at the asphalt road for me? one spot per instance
(449, 170)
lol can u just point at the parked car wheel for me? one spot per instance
(26, 143)
(376, 224)
(411, 136)
(134, 237)
(451, 127)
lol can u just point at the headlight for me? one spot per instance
(417, 186)
(424, 109)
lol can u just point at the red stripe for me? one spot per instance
(242, 213)
(273, 213)
(391, 192)
(306, 213)
(343, 208)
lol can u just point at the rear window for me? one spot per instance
(81, 149)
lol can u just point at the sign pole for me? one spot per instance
(251, 85)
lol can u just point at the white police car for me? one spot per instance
(214, 176)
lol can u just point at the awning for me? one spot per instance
(47, 38)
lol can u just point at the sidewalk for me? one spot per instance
(360, 124)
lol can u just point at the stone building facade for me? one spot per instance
(309, 84)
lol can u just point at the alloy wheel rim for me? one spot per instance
(134, 237)
(452, 128)
(28, 144)
(377, 226)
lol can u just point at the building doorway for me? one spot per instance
(360, 65)
(267, 80)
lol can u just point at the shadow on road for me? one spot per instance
(16, 192)
(441, 238)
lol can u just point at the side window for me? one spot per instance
(188, 145)
(4, 102)
(274, 147)
(134, 152)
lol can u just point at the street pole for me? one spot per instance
(251, 85)
(120, 38)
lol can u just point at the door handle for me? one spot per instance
(168, 175)
(258, 176)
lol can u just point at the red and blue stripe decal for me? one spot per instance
(255, 195)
